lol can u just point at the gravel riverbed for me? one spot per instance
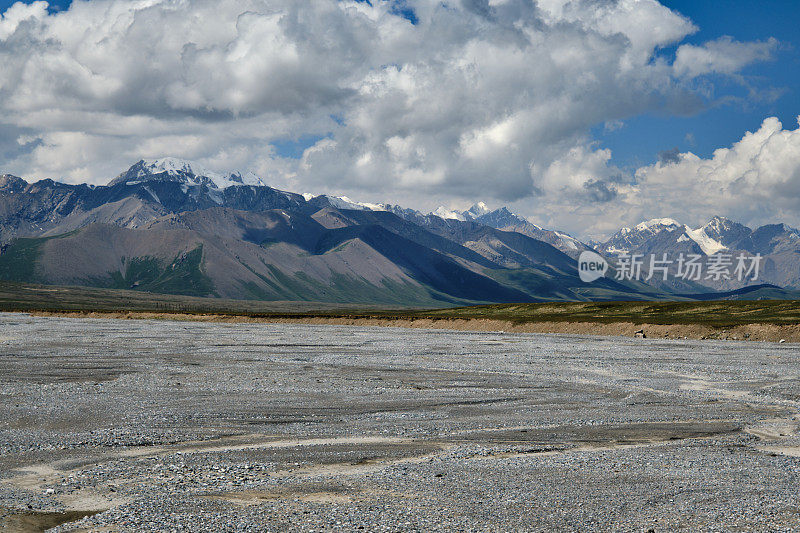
(140, 425)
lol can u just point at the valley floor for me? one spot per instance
(757, 320)
(153, 425)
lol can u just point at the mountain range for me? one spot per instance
(777, 244)
(173, 226)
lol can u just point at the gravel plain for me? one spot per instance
(139, 425)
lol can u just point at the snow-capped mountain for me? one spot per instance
(504, 217)
(342, 202)
(506, 220)
(778, 244)
(661, 235)
(626, 240)
(447, 214)
(187, 172)
(248, 240)
(200, 235)
(476, 211)
(725, 232)
(665, 235)
(219, 187)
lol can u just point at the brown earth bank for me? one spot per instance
(752, 332)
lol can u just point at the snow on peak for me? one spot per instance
(193, 173)
(533, 223)
(616, 251)
(700, 236)
(343, 202)
(656, 222)
(568, 240)
(707, 244)
(478, 209)
(443, 212)
(247, 178)
(718, 224)
(173, 164)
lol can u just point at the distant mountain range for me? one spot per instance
(778, 244)
(172, 226)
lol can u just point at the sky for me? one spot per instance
(582, 115)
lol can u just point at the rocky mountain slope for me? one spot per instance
(777, 244)
(173, 226)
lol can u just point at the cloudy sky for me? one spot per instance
(583, 115)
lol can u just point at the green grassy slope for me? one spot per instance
(184, 275)
(712, 313)
(725, 313)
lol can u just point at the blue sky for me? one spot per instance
(724, 122)
(54, 4)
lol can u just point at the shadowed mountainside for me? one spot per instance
(166, 227)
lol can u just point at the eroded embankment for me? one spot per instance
(753, 332)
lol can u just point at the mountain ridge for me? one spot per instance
(230, 235)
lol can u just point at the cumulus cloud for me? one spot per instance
(756, 181)
(20, 13)
(411, 100)
(722, 56)
(758, 178)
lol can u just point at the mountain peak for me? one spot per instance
(718, 234)
(11, 182)
(657, 223)
(628, 239)
(502, 217)
(505, 211)
(447, 214)
(478, 209)
(718, 222)
(343, 202)
(724, 232)
(174, 165)
(184, 171)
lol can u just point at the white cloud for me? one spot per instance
(756, 181)
(479, 99)
(722, 56)
(758, 178)
(21, 13)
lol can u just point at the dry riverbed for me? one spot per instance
(153, 425)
